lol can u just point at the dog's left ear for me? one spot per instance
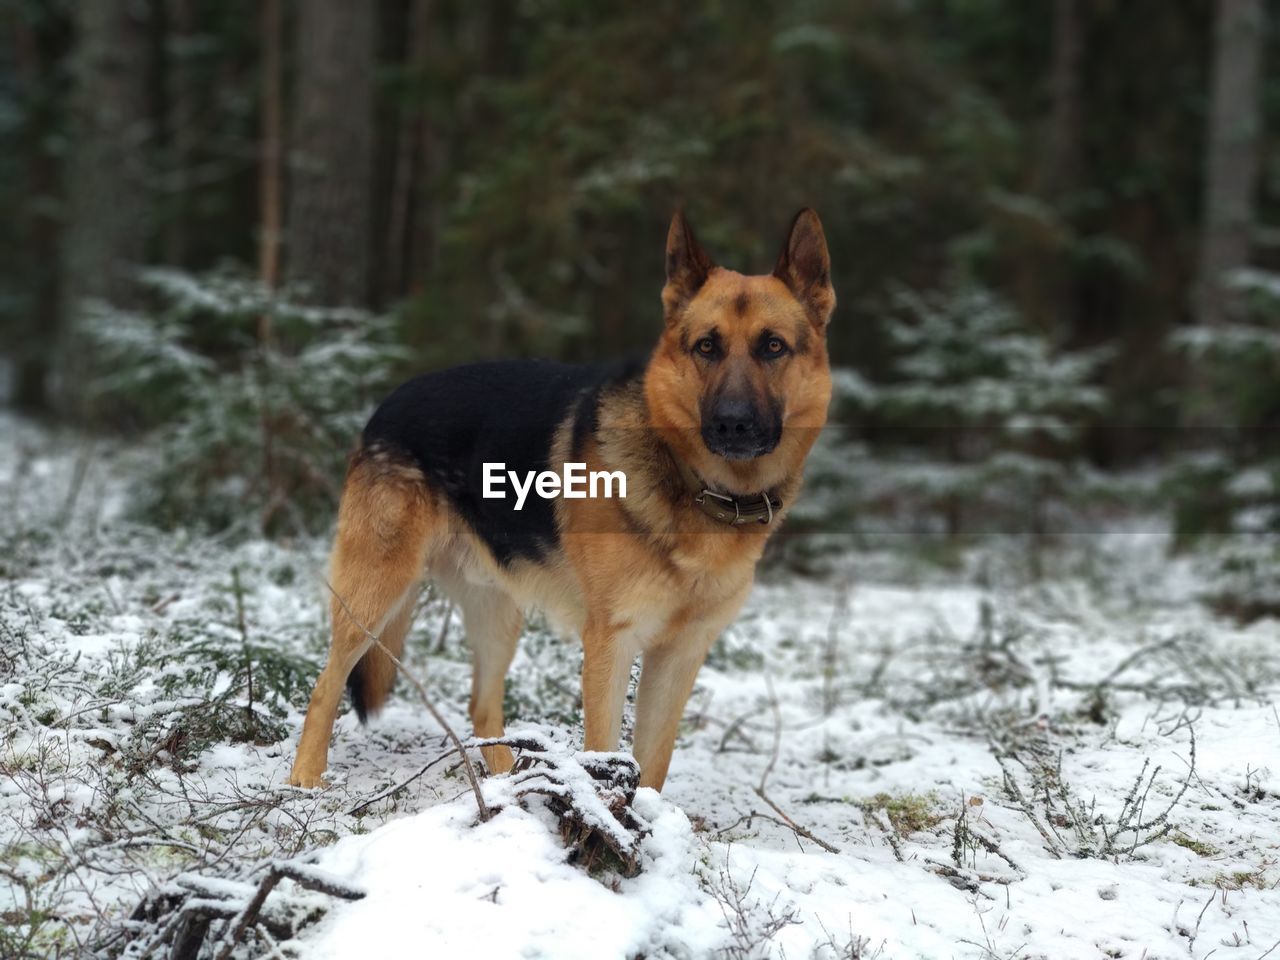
(805, 267)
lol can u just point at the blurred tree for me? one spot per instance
(270, 192)
(409, 218)
(572, 129)
(995, 410)
(1232, 160)
(510, 168)
(1047, 290)
(1061, 167)
(112, 133)
(1226, 499)
(181, 106)
(251, 435)
(30, 170)
(110, 165)
(330, 232)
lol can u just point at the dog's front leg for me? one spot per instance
(606, 668)
(666, 680)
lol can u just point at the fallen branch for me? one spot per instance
(280, 870)
(183, 911)
(590, 794)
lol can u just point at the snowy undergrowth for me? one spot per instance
(977, 766)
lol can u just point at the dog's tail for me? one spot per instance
(374, 674)
(370, 682)
(385, 523)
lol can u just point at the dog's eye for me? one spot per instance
(706, 346)
(774, 347)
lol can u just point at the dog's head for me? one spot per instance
(740, 382)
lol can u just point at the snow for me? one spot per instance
(439, 878)
(906, 703)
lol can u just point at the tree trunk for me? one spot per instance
(1062, 157)
(182, 127)
(269, 194)
(109, 197)
(37, 322)
(1042, 278)
(109, 173)
(330, 223)
(1234, 139)
(411, 164)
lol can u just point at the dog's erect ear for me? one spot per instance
(687, 265)
(805, 266)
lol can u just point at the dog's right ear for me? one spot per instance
(687, 265)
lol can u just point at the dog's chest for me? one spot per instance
(646, 591)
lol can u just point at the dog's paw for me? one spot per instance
(307, 781)
(498, 760)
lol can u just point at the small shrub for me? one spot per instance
(1227, 503)
(977, 428)
(251, 399)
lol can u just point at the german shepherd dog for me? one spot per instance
(711, 434)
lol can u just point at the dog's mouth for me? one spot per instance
(740, 443)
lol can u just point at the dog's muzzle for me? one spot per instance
(738, 430)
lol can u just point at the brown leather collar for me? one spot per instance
(734, 511)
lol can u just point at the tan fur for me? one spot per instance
(385, 526)
(648, 576)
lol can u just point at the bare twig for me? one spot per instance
(839, 617)
(444, 628)
(426, 700)
(185, 909)
(1016, 795)
(390, 791)
(1199, 917)
(764, 777)
(752, 923)
(81, 471)
(1095, 835)
(243, 627)
(735, 729)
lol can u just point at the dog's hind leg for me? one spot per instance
(492, 622)
(386, 526)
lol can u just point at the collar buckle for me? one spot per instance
(724, 498)
(738, 518)
(745, 510)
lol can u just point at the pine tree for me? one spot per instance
(986, 415)
(1227, 492)
(250, 433)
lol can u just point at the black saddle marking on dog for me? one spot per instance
(450, 423)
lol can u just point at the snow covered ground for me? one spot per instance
(978, 764)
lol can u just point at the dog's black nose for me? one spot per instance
(732, 418)
(735, 430)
